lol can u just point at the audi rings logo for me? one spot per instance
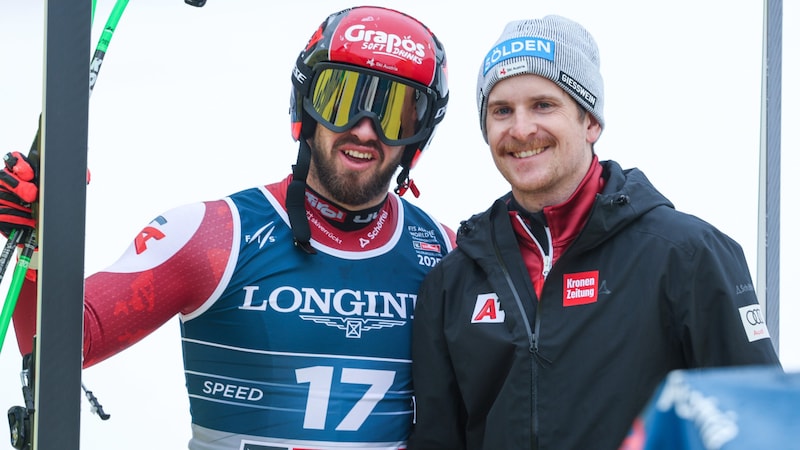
(754, 317)
(753, 322)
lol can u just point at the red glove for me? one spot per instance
(18, 189)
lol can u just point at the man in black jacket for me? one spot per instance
(569, 300)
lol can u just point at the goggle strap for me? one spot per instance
(301, 78)
(439, 109)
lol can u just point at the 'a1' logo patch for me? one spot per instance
(487, 309)
(581, 288)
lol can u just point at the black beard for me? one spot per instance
(344, 188)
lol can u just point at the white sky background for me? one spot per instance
(192, 104)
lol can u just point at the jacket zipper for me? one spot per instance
(533, 335)
(532, 345)
(547, 265)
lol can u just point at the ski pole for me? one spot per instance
(29, 243)
(14, 238)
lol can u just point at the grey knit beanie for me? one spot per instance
(553, 47)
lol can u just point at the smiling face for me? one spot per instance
(541, 141)
(352, 168)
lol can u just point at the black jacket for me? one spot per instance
(657, 290)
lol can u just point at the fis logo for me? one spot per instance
(262, 235)
(487, 309)
(753, 322)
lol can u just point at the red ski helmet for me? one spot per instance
(372, 62)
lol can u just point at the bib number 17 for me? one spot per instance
(320, 381)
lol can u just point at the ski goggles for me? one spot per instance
(340, 96)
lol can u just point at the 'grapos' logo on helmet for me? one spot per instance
(386, 43)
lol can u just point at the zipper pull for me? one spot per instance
(547, 263)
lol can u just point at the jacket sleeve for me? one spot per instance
(437, 399)
(720, 320)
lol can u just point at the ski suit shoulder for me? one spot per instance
(172, 266)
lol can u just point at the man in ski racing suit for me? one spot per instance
(569, 300)
(296, 298)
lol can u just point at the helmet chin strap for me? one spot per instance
(296, 199)
(404, 181)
